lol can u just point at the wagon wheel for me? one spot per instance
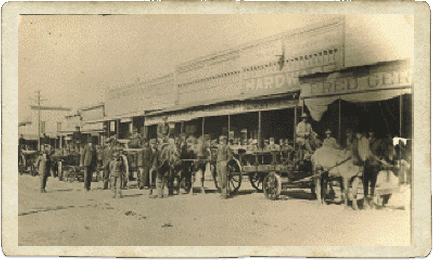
(272, 186)
(256, 180)
(234, 176)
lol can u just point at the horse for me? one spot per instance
(330, 163)
(381, 155)
(168, 160)
(186, 166)
(198, 155)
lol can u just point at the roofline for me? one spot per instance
(92, 106)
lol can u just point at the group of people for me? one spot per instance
(113, 161)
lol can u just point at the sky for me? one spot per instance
(75, 59)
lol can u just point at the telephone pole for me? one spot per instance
(39, 100)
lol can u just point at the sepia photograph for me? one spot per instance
(161, 130)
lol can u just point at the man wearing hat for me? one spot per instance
(136, 140)
(224, 155)
(44, 164)
(330, 141)
(163, 130)
(89, 162)
(106, 158)
(273, 147)
(303, 132)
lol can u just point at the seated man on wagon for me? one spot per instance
(272, 147)
(330, 141)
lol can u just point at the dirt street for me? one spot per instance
(67, 216)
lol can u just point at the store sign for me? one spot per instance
(375, 81)
(287, 81)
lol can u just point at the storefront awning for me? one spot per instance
(222, 109)
(52, 135)
(364, 84)
(30, 137)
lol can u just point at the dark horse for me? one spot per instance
(380, 155)
(168, 160)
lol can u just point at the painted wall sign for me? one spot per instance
(343, 85)
(282, 81)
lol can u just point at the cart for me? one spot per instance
(270, 172)
(71, 170)
(26, 161)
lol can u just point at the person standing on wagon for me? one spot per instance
(224, 155)
(163, 130)
(89, 162)
(303, 133)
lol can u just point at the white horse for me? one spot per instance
(329, 163)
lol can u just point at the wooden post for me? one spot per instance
(339, 120)
(202, 127)
(400, 115)
(117, 128)
(296, 122)
(228, 129)
(260, 130)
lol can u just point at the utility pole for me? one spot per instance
(39, 100)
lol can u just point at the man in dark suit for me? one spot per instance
(44, 164)
(89, 162)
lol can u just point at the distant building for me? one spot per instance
(92, 122)
(53, 121)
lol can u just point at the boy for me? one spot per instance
(117, 167)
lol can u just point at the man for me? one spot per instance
(163, 130)
(303, 133)
(136, 140)
(330, 141)
(44, 164)
(152, 164)
(117, 167)
(106, 159)
(144, 163)
(266, 145)
(224, 155)
(89, 162)
(273, 147)
(253, 147)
